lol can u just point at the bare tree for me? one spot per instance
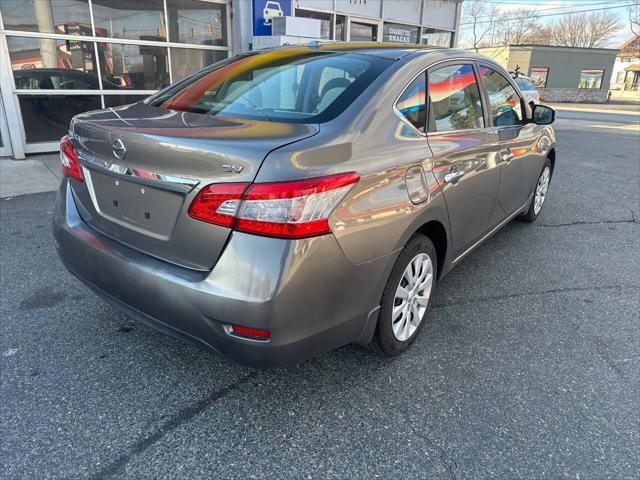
(588, 30)
(634, 17)
(480, 17)
(515, 27)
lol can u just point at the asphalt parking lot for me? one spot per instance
(529, 366)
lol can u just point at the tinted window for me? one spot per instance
(201, 23)
(506, 105)
(290, 86)
(455, 98)
(52, 64)
(140, 20)
(412, 103)
(69, 17)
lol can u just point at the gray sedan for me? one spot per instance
(283, 203)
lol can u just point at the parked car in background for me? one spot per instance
(527, 88)
(283, 203)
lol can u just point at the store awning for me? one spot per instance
(633, 68)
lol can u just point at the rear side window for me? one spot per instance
(298, 86)
(506, 105)
(455, 99)
(412, 104)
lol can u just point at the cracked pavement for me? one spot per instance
(529, 366)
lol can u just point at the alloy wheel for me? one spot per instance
(412, 297)
(541, 190)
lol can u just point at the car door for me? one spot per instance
(519, 159)
(465, 149)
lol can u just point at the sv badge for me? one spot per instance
(232, 168)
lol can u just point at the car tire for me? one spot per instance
(539, 194)
(396, 331)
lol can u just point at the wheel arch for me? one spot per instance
(436, 232)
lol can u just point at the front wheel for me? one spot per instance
(540, 194)
(406, 297)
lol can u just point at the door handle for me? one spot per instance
(453, 175)
(507, 156)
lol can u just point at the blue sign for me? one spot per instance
(264, 11)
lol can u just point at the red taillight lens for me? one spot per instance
(296, 209)
(218, 203)
(248, 332)
(69, 163)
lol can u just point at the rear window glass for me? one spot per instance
(282, 85)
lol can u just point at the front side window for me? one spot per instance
(412, 103)
(591, 78)
(504, 101)
(455, 99)
(289, 86)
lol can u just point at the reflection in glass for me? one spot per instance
(52, 64)
(118, 100)
(185, 61)
(412, 103)
(591, 79)
(196, 22)
(455, 98)
(363, 32)
(46, 117)
(139, 67)
(506, 107)
(436, 38)
(139, 20)
(325, 19)
(69, 17)
(341, 29)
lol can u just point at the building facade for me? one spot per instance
(625, 81)
(59, 58)
(561, 74)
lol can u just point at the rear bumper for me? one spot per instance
(304, 292)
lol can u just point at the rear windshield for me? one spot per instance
(524, 84)
(281, 85)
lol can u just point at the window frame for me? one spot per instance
(485, 95)
(397, 111)
(431, 124)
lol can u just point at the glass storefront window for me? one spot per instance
(363, 32)
(325, 18)
(185, 61)
(69, 17)
(200, 23)
(341, 29)
(138, 67)
(46, 117)
(139, 20)
(591, 79)
(539, 76)
(40, 63)
(394, 32)
(436, 38)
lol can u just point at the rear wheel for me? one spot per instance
(540, 194)
(406, 297)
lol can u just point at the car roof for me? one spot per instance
(388, 50)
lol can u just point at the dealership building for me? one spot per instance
(59, 58)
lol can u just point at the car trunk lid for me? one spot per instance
(143, 166)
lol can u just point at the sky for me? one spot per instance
(550, 10)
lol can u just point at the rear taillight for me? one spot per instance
(296, 209)
(69, 163)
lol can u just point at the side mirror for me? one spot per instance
(543, 115)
